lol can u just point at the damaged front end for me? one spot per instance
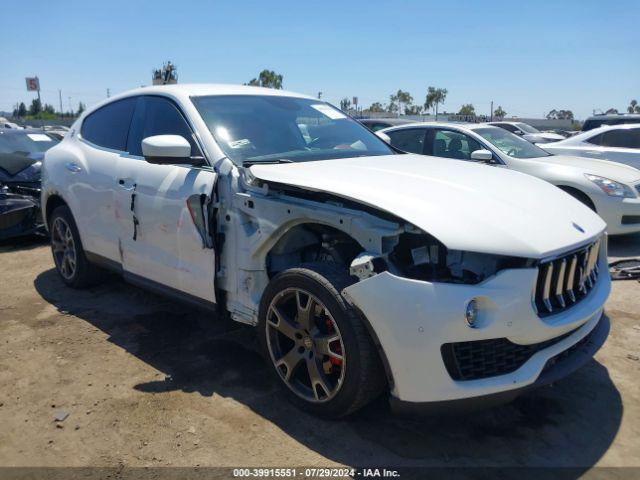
(420, 256)
(19, 214)
(20, 195)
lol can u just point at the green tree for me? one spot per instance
(467, 109)
(36, 107)
(499, 112)
(633, 107)
(560, 115)
(49, 109)
(413, 110)
(376, 107)
(400, 98)
(345, 104)
(435, 96)
(81, 108)
(267, 79)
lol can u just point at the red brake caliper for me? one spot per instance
(335, 346)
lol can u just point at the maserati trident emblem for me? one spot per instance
(578, 227)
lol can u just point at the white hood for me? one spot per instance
(466, 206)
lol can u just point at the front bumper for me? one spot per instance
(412, 320)
(622, 215)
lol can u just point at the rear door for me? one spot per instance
(164, 210)
(618, 145)
(103, 139)
(411, 140)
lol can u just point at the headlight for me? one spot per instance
(611, 187)
(421, 257)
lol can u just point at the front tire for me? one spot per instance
(68, 255)
(316, 343)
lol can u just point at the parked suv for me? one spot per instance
(598, 121)
(363, 270)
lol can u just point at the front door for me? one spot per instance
(164, 210)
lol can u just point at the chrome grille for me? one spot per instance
(564, 281)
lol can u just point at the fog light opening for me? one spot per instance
(471, 314)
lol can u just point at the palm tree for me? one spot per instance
(499, 112)
(435, 96)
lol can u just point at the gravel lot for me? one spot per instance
(150, 382)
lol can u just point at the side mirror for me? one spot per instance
(168, 150)
(519, 132)
(384, 137)
(482, 156)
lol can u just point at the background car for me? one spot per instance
(528, 132)
(617, 143)
(597, 121)
(21, 154)
(611, 189)
(56, 131)
(375, 124)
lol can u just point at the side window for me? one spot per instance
(408, 140)
(509, 127)
(451, 144)
(597, 140)
(621, 138)
(108, 126)
(158, 116)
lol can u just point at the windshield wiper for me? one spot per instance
(248, 163)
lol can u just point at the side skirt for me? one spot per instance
(151, 285)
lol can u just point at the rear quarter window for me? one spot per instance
(109, 125)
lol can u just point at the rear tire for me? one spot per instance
(316, 343)
(68, 255)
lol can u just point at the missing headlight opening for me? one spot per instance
(421, 256)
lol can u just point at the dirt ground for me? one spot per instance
(150, 382)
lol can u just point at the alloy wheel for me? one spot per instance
(64, 248)
(305, 345)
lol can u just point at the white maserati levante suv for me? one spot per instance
(363, 269)
(611, 189)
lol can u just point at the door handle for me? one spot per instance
(593, 152)
(73, 167)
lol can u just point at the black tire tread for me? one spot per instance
(371, 378)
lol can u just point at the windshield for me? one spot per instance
(263, 128)
(25, 143)
(511, 144)
(527, 128)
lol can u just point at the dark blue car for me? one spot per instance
(21, 154)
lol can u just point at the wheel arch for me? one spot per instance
(53, 201)
(287, 246)
(579, 195)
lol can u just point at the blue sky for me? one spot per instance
(527, 56)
